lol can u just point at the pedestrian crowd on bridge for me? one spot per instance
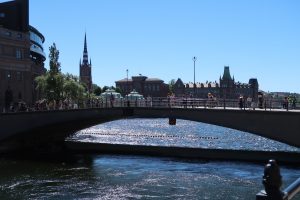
(212, 101)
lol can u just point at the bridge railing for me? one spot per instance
(178, 102)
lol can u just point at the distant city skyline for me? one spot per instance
(257, 39)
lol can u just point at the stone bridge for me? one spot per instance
(52, 127)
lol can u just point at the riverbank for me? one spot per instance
(185, 152)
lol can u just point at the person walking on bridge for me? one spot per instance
(241, 102)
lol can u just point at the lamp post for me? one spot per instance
(194, 59)
(127, 89)
(127, 81)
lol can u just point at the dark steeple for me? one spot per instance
(86, 67)
(85, 60)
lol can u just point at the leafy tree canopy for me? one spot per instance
(53, 59)
(171, 86)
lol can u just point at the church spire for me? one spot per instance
(85, 68)
(85, 52)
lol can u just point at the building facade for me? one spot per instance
(21, 54)
(148, 87)
(226, 88)
(85, 68)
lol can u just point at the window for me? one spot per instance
(19, 76)
(19, 35)
(8, 33)
(18, 54)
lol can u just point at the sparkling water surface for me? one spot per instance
(133, 177)
(140, 177)
(185, 133)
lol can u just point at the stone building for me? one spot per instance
(226, 88)
(145, 86)
(85, 68)
(21, 54)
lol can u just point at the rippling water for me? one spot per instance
(184, 133)
(138, 177)
(132, 177)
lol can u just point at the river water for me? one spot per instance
(139, 177)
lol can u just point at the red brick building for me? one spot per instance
(145, 86)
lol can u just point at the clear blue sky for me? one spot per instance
(158, 38)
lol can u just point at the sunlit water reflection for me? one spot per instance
(132, 177)
(184, 134)
(138, 177)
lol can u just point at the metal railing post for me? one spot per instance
(292, 189)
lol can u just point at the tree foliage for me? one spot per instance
(96, 89)
(55, 85)
(171, 86)
(105, 88)
(53, 59)
(59, 86)
(72, 89)
(118, 90)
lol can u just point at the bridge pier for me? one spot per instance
(172, 120)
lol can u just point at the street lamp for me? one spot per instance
(194, 59)
(127, 81)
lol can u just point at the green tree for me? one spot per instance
(97, 91)
(118, 90)
(57, 86)
(105, 88)
(171, 86)
(50, 85)
(55, 80)
(53, 57)
(54, 89)
(41, 85)
(71, 76)
(73, 89)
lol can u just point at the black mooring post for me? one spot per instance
(272, 182)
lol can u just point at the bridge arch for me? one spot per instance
(55, 126)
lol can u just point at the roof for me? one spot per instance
(153, 79)
(124, 80)
(147, 80)
(226, 74)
